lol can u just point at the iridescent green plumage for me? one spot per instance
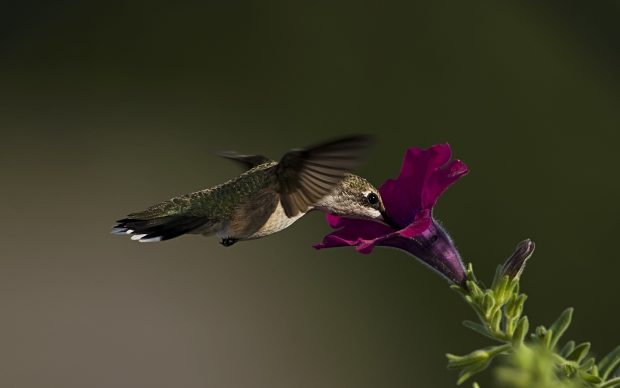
(267, 198)
(217, 202)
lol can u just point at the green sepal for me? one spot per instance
(609, 363)
(594, 371)
(546, 339)
(496, 321)
(474, 290)
(516, 287)
(520, 331)
(514, 306)
(469, 272)
(521, 302)
(511, 304)
(567, 348)
(497, 277)
(569, 370)
(513, 287)
(488, 302)
(590, 378)
(500, 290)
(560, 326)
(539, 333)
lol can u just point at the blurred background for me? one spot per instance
(108, 107)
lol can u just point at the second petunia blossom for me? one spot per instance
(409, 200)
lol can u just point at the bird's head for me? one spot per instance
(353, 197)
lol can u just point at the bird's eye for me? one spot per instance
(372, 198)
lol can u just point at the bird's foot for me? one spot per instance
(228, 241)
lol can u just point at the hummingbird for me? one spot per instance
(267, 198)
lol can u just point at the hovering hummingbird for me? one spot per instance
(267, 198)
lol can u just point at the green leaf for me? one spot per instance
(478, 328)
(546, 339)
(607, 365)
(475, 357)
(579, 352)
(472, 358)
(481, 365)
(560, 326)
(470, 371)
(615, 382)
(587, 364)
(459, 289)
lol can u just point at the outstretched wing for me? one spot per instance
(248, 162)
(307, 175)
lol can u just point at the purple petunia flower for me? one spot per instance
(409, 199)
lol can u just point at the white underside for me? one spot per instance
(276, 223)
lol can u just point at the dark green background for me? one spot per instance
(107, 107)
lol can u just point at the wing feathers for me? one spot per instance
(307, 175)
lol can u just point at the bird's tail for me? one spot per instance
(151, 229)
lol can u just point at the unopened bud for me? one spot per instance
(513, 267)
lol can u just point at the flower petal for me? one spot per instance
(424, 175)
(422, 222)
(440, 180)
(434, 248)
(353, 232)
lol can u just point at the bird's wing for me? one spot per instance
(307, 175)
(248, 162)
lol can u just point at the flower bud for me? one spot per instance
(513, 267)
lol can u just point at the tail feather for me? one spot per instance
(158, 229)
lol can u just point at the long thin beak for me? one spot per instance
(389, 221)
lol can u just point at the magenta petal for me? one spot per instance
(421, 223)
(440, 180)
(334, 220)
(353, 232)
(435, 248)
(424, 175)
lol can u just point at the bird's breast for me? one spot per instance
(276, 222)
